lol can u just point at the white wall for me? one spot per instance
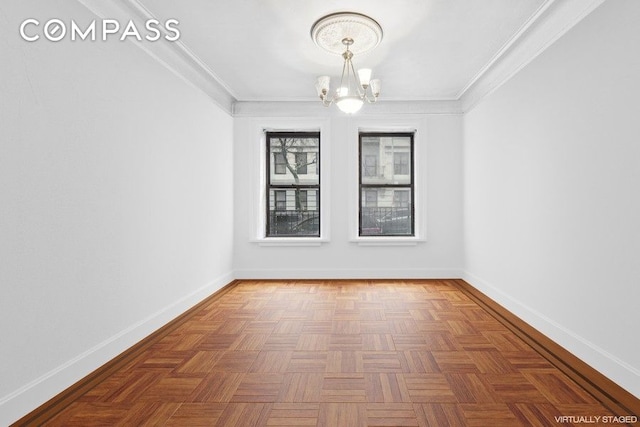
(115, 203)
(117, 212)
(440, 181)
(551, 197)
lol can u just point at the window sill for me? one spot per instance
(290, 241)
(387, 241)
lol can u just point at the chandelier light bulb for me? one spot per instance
(375, 87)
(322, 85)
(364, 74)
(349, 104)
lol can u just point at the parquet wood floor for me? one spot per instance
(333, 353)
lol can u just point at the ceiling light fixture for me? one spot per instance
(346, 33)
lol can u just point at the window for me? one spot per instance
(401, 198)
(371, 198)
(370, 165)
(401, 163)
(280, 200)
(302, 197)
(280, 164)
(293, 184)
(301, 163)
(386, 196)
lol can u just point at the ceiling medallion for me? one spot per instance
(348, 33)
(329, 31)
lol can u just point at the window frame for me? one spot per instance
(366, 187)
(419, 125)
(254, 227)
(268, 185)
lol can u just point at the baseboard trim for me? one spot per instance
(60, 401)
(346, 274)
(613, 396)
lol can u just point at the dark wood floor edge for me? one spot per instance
(63, 399)
(614, 397)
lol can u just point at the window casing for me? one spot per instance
(386, 184)
(293, 184)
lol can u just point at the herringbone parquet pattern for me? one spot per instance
(357, 353)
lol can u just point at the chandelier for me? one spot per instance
(346, 33)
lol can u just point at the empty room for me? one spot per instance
(319, 213)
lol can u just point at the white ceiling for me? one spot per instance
(261, 50)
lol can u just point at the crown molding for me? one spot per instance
(552, 20)
(315, 108)
(175, 56)
(510, 43)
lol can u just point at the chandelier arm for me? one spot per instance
(356, 81)
(345, 66)
(371, 100)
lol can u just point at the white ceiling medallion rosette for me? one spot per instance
(329, 31)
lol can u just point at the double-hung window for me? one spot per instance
(293, 184)
(386, 181)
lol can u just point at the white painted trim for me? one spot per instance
(315, 109)
(508, 45)
(175, 56)
(348, 273)
(293, 241)
(28, 397)
(398, 123)
(20, 402)
(386, 241)
(551, 22)
(259, 178)
(543, 28)
(609, 365)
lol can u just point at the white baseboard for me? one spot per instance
(25, 399)
(620, 372)
(351, 273)
(28, 397)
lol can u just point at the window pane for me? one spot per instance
(301, 163)
(370, 165)
(370, 198)
(385, 159)
(401, 163)
(294, 212)
(390, 215)
(294, 160)
(280, 167)
(386, 184)
(293, 187)
(280, 200)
